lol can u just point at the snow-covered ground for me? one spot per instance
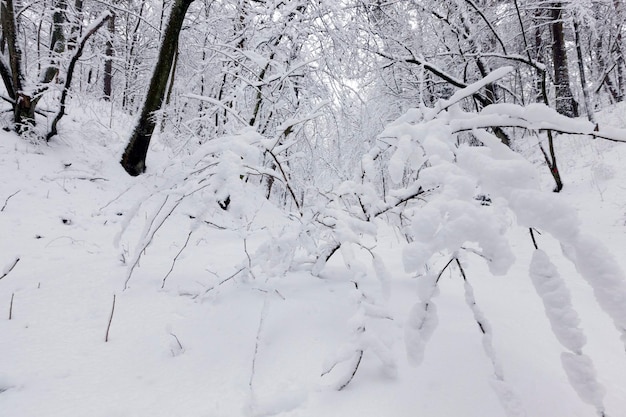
(207, 340)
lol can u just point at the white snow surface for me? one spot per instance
(215, 337)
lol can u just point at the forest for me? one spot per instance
(312, 207)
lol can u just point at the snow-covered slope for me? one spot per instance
(208, 339)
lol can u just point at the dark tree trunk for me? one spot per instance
(565, 103)
(618, 5)
(538, 55)
(23, 108)
(134, 157)
(108, 64)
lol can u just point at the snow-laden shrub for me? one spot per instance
(455, 219)
(448, 199)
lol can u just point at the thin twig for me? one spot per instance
(356, 367)
(106, 337)
(221, 282)
(286, 180)
(11, 306)
(217, 226)
(149, 236)
(177, 341)
(115, 199)
(477, 253)
(264, 310)
(7, 200)
(245, 249)
(532, 236)
(176, 258)
(443, 270)
(9, 269)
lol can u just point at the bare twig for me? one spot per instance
(532, 236)
(7, 200)
(221, 282)
(11, 306)
(149, 235)
(356, 368)
(217, 226)
(106, 337)
(245, 249)
(264, 310)
(477, 253)
(176, 258)
(115, 199)
(10, 268)
(443, 270)
(180, 345)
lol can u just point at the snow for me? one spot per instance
(557, 302)
(246, 326)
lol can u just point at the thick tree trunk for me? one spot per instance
(134, 157)
(23, 108)
(565, 103)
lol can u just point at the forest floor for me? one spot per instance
(206, 341)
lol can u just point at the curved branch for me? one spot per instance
(70, 69)
(493, 30)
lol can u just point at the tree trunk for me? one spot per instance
(134, 157)
(57, 42)
(581, 71)
(108, 63)
(76, 24)
(565, 103)
(23, 108)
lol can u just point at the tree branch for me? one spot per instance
(70, 70)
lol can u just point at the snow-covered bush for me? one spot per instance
(450, 200)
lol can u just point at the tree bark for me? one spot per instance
(57, 42)
(565, 103)
(23, 109)
(107, 89)
(581, 71)
(134, 157)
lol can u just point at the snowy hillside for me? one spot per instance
(200, 327)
